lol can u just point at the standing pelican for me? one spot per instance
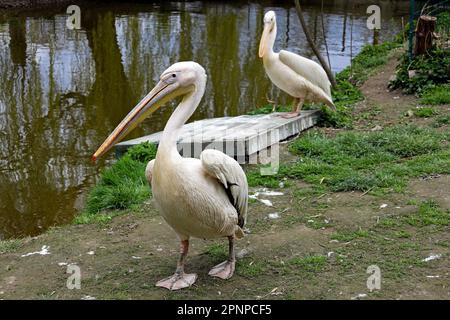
(302, 78)
(204, 198)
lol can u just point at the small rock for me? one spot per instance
(432, 257)
(330, 254)
(241, 254)
(334, 241)
(359, 296)
(88, 297)
(377, 128)
(266, 202)
(90, 253)
(274, 215)
(409, 113)
(384, 205)
(412, 73)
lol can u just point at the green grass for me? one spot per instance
(425, 112)
(217, 251)
(312, 263)
(436, 95)
(269, 109)
(429, 213)
(441, 121)
(7, 246)
(249, 268)
(121, 186)
(366, 160)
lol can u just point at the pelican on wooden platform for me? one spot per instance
(301, 78)
(202, 198)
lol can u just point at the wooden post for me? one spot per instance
(424, 34)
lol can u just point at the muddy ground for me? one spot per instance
(319, 248)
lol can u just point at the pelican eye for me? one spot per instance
(173, 75)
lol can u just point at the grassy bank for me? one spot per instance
(364, 161)
(122, 186)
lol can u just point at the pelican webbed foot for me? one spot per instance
(224, 270)
(290, 115)
(178, 281)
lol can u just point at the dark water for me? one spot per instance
(62, 91)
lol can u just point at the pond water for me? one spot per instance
(62, 91)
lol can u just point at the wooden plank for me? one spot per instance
(241, 137)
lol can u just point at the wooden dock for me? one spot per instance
(241, 137)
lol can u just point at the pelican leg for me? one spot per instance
(180, 279)
(297, 104)
(225, 269)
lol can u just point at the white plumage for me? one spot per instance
(301, 78)
(203, 198)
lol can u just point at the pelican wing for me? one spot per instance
(308, 69)
(231, 176)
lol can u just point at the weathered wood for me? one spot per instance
(240, 137)
(424, 34)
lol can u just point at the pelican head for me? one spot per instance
(179, 79)
(269, 33)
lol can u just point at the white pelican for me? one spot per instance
(301, 78)
(204, 198)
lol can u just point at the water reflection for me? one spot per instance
(64, 90)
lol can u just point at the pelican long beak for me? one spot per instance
(157, 97)
(262, 43)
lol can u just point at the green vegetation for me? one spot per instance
(364, 161)
(429, 213)
(7, 246)
(249, 268)
(268, 108)
(421, 75)
(122, 185)
(348, 80)
(313, 263)
(436, 95)
(423, 72)
(441, 121)
(424, 112)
